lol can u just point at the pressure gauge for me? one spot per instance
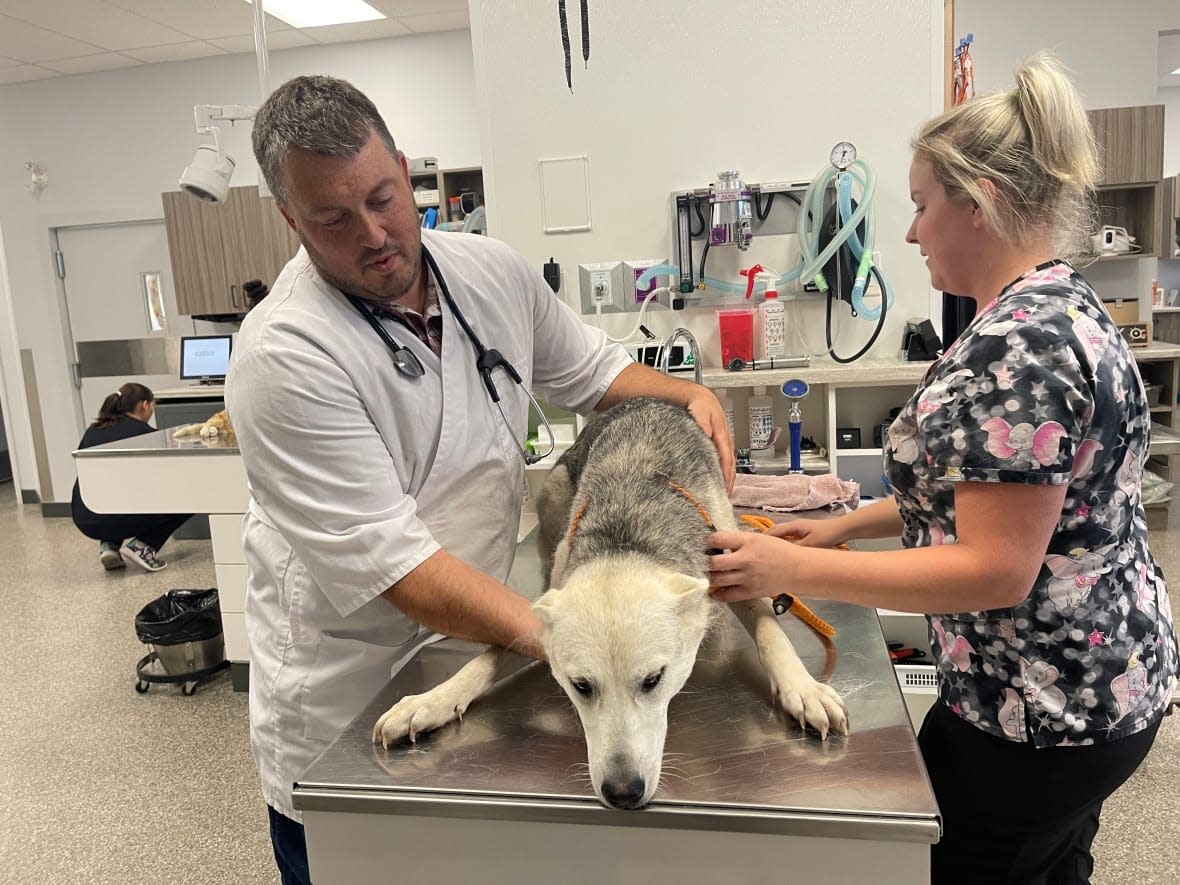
(843, 155)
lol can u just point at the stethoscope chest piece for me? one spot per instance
(486, 359)
(408, 364)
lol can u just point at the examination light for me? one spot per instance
(208, 176)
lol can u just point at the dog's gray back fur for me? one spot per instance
(620, 467)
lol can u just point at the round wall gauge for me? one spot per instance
(843, 155)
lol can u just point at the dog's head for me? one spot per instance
(622, 636)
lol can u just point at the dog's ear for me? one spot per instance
(686, 587)
(543, 608)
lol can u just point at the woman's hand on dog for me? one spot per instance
(754, 565)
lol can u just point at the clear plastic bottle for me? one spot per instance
(761, 414)
(772, 314)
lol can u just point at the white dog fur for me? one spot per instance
(629, 604)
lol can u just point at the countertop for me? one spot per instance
(519, 753)
(161, 442)
(192, 391)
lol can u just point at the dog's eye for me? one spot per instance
(652, 680)
(582, 687)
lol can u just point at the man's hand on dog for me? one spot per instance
(706, 410)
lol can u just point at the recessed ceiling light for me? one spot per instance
(316, 13)
(1176, 72)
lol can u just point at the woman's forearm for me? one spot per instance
(880, 519)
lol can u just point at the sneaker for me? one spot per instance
(142, 555)
(108, 555)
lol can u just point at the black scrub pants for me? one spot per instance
(1012, 813)
(151, 528)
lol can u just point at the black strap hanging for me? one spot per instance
(563, 21)
(565, 43)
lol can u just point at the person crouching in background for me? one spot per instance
(122, 537)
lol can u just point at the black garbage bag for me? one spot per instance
(179, 616)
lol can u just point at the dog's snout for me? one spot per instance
(624, 793)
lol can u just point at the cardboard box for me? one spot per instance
(1124, 311)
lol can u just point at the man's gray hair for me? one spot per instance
(322, 115)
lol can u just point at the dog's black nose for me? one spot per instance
(624, 794)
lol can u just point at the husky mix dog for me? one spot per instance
(625, 515)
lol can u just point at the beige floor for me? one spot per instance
(100, 784)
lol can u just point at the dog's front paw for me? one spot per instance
(418, 713)
(814, 703)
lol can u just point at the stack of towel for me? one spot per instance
(797, 491)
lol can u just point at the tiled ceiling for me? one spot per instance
(40, 39)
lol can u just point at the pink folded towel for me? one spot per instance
(797, 491)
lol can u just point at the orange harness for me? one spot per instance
(783, 602)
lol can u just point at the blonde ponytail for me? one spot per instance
(1034, 144)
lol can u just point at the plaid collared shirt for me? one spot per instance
(427, 326)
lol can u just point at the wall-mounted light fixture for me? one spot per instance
(38, 179)
(207, 177)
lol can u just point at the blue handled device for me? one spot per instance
(795, 390)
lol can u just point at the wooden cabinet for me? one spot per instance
(1131, 143)
(1169, 228)
(215, 248)
(1131, 148)
(1159, 364)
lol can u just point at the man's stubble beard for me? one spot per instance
(398, 289)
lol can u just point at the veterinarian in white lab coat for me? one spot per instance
(385, 507)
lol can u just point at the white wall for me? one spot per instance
(1110, 49)
(677, 91)
(112, 142)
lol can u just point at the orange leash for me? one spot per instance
(785, 602)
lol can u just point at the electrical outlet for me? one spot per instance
(633, 296)
(601, 285)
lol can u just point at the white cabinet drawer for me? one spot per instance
(225, 529)
(233, 627)
(231, 587)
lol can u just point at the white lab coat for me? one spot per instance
(358, 474)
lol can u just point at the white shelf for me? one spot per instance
(1165, 310)
(858, 453)
(1164, 440)
(1130, 256)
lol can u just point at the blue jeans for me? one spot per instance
(290, 848)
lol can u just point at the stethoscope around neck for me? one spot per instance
(486, 361)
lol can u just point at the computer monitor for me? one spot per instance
(205, 358)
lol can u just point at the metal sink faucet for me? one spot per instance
(693, 347)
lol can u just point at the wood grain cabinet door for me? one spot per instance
(196, 253)
(215, 248)
(1131, 141)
